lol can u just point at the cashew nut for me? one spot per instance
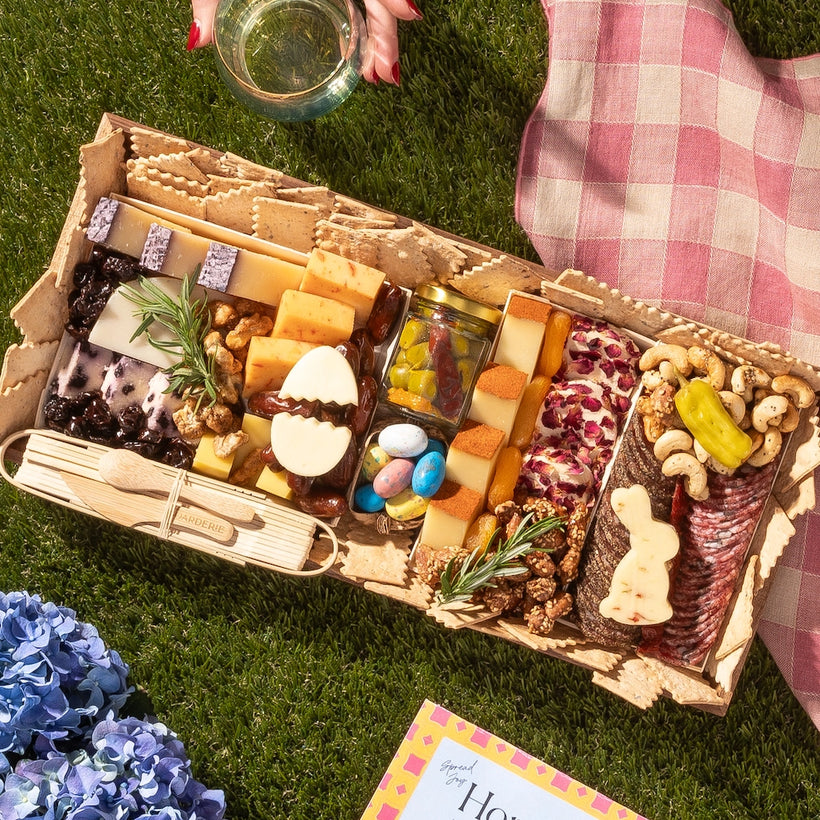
(772, 442)
(695, 479)
(769, 412)
(746, 377)
(791, 418)
(672, 441)
(653, 356)
(708, 362)
(734, 404)
(701, 453)
(797, 389)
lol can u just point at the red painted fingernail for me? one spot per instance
(374, 77)
(394, 73)
(193, 35)
(415, 9)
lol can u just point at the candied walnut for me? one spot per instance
(245, 307)
(576, 534)
(541, 618)
(190, 425)
(223, 314)
(220, 419)
(430, 563)
(509, 517)
(228, 444)
(247, 471)
(540, 590)
(257, 324)
(506, 596)
(540, 563)
(212, 341)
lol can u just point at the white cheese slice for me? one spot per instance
(120, 319)
(307, 447)
(322, 374)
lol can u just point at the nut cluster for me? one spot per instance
(765, 408)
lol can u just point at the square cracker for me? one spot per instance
(234, 208)
(206, 161)
(148, 143)
(178, 165)
(491, 282)
(292, 224)
(150, 190)
(22, 361)
(385, 564)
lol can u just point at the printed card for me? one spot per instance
(449, 769)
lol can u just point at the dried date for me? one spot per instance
(385, 312)
(268, 403)
(357, 417)
(322, 503)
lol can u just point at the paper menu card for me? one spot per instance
(449, 769)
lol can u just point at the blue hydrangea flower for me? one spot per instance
(129, 770)
(56, 675)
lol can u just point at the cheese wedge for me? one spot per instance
(522, 333)
(306, 317)
(449, 515)
(269, 361)
(207, 462)
(497, 396)
(472, 456)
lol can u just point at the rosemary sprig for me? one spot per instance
(483, 564)
(189, 322)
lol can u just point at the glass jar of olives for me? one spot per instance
(440, 351)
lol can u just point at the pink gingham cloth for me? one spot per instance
(666, 161)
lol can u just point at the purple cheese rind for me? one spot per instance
(218, 266)
(102, 219)
(155, 250)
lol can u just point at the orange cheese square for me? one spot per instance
(318, 320)
(269, 361)
(345, 280)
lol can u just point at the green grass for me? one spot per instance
(292, 695)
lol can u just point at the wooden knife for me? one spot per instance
(130, 510)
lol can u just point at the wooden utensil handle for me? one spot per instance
(219, 503)
(203, 522)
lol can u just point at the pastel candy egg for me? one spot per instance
(374, 459)
(365, 500)
(428, 475)
(394, 477)
(403, 440)
(406, 505)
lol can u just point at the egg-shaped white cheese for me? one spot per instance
(322, 374)
(307, 447)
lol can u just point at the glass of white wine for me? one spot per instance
(290, 60)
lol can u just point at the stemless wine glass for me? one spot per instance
(289, 60)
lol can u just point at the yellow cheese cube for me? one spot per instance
(207, 462)
(342, 279)
(497, 396)
(269, 361)
(449, 515)
(275, 483)
(472, 456)
(258, 431)
(306, 317)
(522, 333)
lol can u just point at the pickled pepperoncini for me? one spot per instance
(704, 415)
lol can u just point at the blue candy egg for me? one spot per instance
(366, 500)
(435, 445)
(428, 475)
(403, 440)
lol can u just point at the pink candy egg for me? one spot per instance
(394, 477)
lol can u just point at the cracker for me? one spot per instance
(179, 165)
(359, 222)
(445, 258)
(461, 614)
(22, 361)
(683, 686)
(42, 312)
(799, 498)
(234, 208)
(346, 205)
(104, 160)
(18, 404)
(287, 223)
(384, 563)
(205, 161)
(149, 190)
(491, 282)
(316, 195)
(773, 533)
(631, 680)
(519, 631)
(739, 627)
(148, 143)
(220, 183)
(189, 186)
(592, 656)
(237, 166)
(473, 256)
